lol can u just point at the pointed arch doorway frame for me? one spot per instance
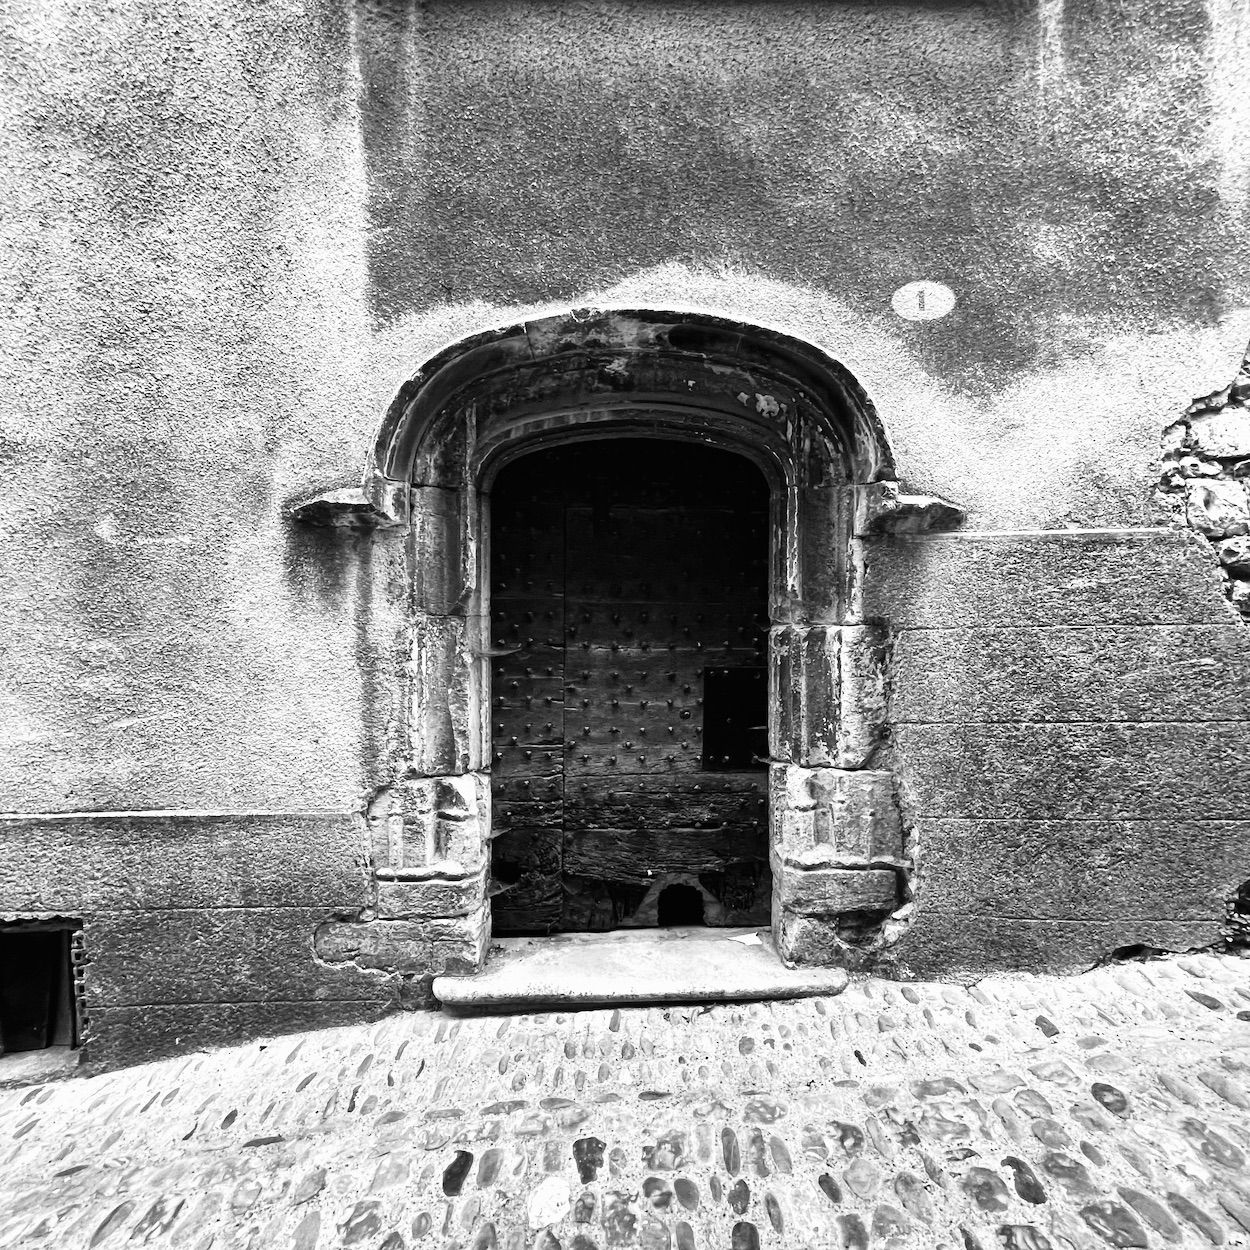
(837, 848)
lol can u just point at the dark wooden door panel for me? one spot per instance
(622, 574)
(696, 801)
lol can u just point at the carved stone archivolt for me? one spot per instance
(838, 849)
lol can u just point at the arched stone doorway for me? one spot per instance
(838, 853)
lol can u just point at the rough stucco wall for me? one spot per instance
(185, 308)
(844, 146)
(231, 230)
(1064, 169)
(180, 233)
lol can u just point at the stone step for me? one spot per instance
(673, 965)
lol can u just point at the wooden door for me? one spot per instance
(629, 592)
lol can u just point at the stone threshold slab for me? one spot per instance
(676, 965)
(27, 1067)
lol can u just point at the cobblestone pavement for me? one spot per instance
(1027, 1112)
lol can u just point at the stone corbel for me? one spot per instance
(379, 503)
(882, 508)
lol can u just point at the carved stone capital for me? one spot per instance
(882, 508)
(379, 504)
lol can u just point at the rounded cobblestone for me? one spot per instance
(1102, 1110)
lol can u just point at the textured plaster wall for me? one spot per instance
(230, 230)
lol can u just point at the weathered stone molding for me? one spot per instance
(379, 504)
(883, 508)
(431, 826)
(701, 362)
(830, 693)
(842, 866)
(401, 898)
(836, 818)
(447, 674)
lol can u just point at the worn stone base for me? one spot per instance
(831, 891)
(412, 947)
(640, 966)
(809, 941)
(403, 897)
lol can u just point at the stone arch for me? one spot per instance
(836, 844)
(683, 361)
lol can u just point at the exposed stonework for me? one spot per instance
(1237, 924)
(1206, 478)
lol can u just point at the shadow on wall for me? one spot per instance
(532, 158)
(322, 564)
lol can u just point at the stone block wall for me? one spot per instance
(1069, 716)
(197, 928)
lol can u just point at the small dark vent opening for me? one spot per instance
(735, 715)
(680, 905)
(1136, 951)
(36, 987)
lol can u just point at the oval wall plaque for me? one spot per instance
(923, 301)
